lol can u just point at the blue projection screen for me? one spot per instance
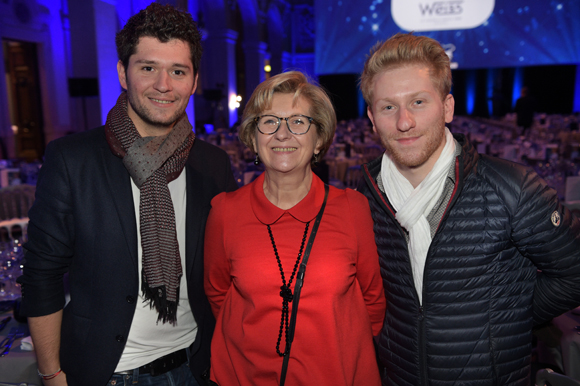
(475, 33)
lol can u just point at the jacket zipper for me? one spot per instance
(422, 339)
(423, 348)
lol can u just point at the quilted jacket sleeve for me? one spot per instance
(545, 232)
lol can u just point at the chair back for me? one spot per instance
(15, 229)
(352, 177)
(15, 201)
(371, 152)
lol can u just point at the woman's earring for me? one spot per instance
(315, 157)
(257, 160)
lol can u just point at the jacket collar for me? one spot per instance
(374, 167)
(468, 156)
(268, 213)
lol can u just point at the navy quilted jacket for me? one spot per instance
(482, 290)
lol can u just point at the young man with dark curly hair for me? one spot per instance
(122, 209)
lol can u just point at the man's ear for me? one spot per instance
(370, 114)
(122, 74)
(195, 83)
(449, 105)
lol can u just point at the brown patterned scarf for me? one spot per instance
(152, 163)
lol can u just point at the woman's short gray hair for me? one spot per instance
(296, 83)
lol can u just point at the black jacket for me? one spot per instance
(482, 292)
(83, 222)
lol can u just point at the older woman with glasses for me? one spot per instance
(256, 240)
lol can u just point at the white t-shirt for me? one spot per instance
(148, 339)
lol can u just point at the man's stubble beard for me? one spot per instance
(425, 153)
(146, 116)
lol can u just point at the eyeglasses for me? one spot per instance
(297, 124)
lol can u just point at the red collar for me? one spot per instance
(306, 210)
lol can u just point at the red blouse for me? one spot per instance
(342, 304)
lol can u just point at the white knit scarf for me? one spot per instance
(414, 204)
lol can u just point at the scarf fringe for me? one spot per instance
(157, 298)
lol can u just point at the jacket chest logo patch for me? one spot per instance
(556, 218)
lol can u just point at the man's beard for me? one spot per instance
(412, 161)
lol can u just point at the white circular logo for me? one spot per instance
(556, 218)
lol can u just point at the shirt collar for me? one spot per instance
(268, 213)
(451, 174)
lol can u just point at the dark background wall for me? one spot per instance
(552, 86)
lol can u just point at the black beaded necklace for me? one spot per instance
(285, 291)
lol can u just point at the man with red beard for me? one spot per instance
(474, 250)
